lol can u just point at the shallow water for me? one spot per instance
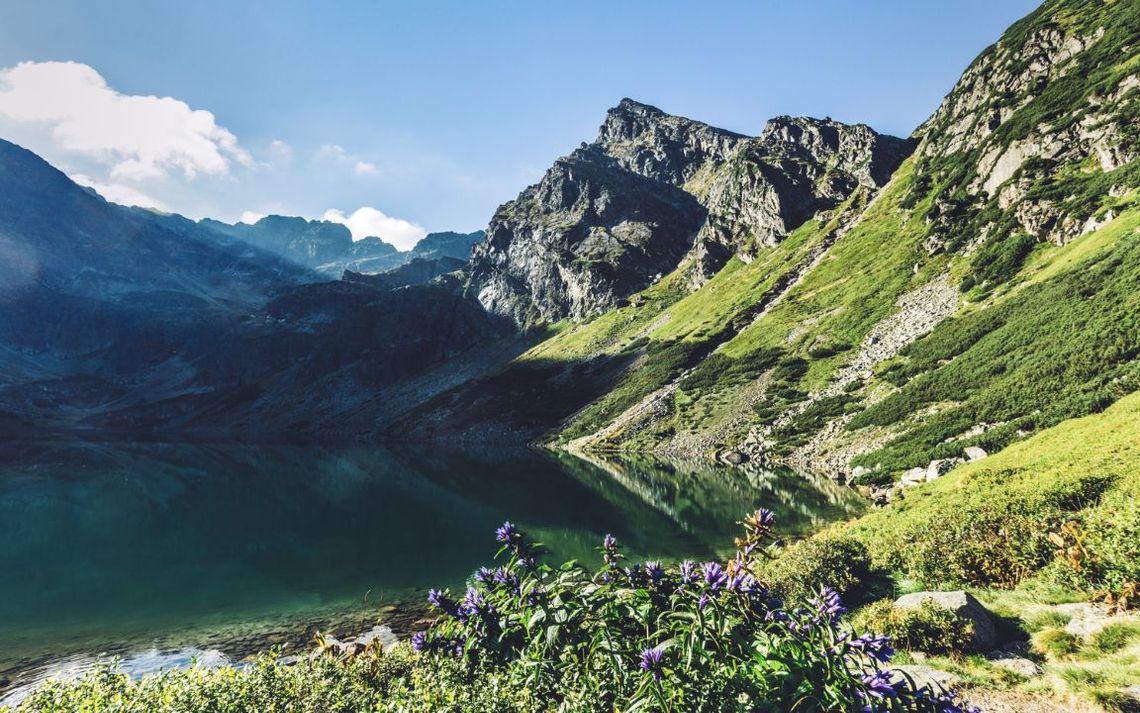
(121, 547)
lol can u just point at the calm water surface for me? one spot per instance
(117, 547)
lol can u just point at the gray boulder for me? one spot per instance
(962, 604)
(914, 476)
(974, 453)
(941, 467)
(1019, 665)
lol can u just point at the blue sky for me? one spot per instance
(430, 114)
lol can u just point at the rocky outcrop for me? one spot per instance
(417, 272)
(613, 216)
(794, 169)
(1037, 114)
(588, 235)
(316, 244)
(670, 149)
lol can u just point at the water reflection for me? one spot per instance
(102, 544)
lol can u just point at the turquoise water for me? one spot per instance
(109, 547)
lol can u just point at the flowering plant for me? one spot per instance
(693, 637)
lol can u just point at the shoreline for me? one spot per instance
(243, 639)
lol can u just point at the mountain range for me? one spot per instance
(818, 294)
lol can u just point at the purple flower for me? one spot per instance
(714, 576)
(703, 602)
(655, 571)
(874, 646)
(651, 662)
(420, 641)
(441, 601)
(762, 519)
(687, 571)
(507, 533)
(879, 686)
(484, 576)
(827, 603)
(474, 603)
(609, 543)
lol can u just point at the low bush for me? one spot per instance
(838, 561)
(692, 637)
(928, 628)
(1056, 643)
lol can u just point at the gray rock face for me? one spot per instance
(923, 675)
(671, 149)
(586, 236)
(1089, 619)
(974, 453)
(613, 216)
(962, 604)
(1012, 151)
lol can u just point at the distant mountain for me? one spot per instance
(329, 248)
(120, 318)
(418, 271)
(448, 244)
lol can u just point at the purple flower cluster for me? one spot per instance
(651, 660)
(493, 622)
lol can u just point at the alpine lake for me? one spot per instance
(158, 554)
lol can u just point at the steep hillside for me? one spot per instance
(985, 292)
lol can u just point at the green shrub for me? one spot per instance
(1112, 638)
(928, 628)
(836, 561)
(999, 259)
(1056, 643)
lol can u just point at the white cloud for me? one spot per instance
(118, 193)
(335, 153)
(281, 148)
(367, 221)
(139, 137)
(250, 217)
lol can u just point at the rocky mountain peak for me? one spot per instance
(667, 148)
(612, 216)
(870, 157)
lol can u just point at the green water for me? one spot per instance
(105, 547)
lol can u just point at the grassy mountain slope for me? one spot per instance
(986, 292)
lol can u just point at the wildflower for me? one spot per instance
(655, 571)
(687, 572)
(760, 521)
(609, 543)
(484, 576)
(474, 603)
(827, 604)
(420, 641)
(508, 534)
(714, 576)
(634, 574)
(505, 576)
(441, 601)
(651, 662)
(879, 686)
(874, 646)
(703, 602)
